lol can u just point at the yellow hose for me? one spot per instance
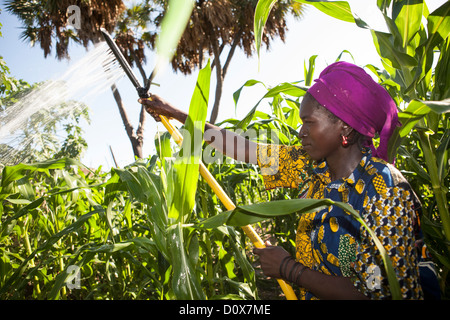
(249, 231)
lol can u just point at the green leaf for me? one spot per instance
(172, 27)
(185, 280)
(285, 88)
(19, 201)
(439, 21)
(385, 46)
(135, 187)
(337, 9)
(407, 15)
(24, 210)
(262, 12)
(415, 165)
(442, 156)
(185, 171)
(442, 80)
(163, 148)
(13, 173)
(342, 53)
(248, 83)
(416, 110)
(250, 214)
(438, 27)
(244, 264)
(47, 244)
(110, 248)
(439, 107)
(61, 278)
(309, 71)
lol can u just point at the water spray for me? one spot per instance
(22, 122)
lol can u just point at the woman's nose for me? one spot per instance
(301, 133)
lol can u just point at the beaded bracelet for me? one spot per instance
(283, 266)
(300, 274)
(292, 277)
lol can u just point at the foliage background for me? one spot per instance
(117, 227)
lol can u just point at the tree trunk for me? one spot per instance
(136, 138)
(142, 115)
(220, 74)
(218, 95)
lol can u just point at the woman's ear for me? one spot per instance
(345, 129)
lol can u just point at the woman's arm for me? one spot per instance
(225, 141)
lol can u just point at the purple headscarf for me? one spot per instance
(352, 95)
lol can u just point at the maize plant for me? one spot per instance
(416, 60)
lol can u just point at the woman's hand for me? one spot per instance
(156, 106)
(271, 258)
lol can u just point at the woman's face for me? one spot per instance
(320, 134)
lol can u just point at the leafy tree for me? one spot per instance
(46, 22)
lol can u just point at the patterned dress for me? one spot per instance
(330, 240)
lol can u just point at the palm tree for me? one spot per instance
(214, 26)
(45, 22)
(217, 24)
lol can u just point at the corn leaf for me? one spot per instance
(48, 243)
(407, 15)
(262, 12)
(438, 27)
(248, 83)
(244, 264)
(185, 282)
(439, 22)
(185, 171)
(337, 9)
(309, 71)
(385, 46)
(442, 155)
(283, 88)
(415, 111)
(182, 180)
(14, 173)
(172, 27)
(442, 80)
(250, 214)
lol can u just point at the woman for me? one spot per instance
(335, 257)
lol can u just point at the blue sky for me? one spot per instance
(315, 34)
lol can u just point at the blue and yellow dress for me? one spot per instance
(330, 240)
